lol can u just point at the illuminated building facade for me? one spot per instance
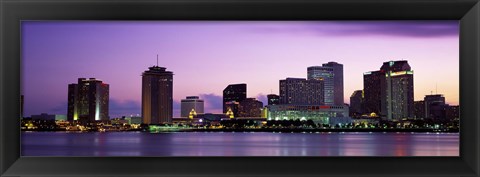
(356, 103)
(88, 100)
(331, 74)
(273, 99)
(301, 91)
(232, 108)
(318, 114)
(389, 91)
(250, 107)
(189, 104)
(233, 94)
(157, 95)
(397, 90)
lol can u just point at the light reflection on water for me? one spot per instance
(238, 144)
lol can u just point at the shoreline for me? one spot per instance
(271, 130)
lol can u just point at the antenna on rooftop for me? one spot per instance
(436, 91)
(157, 59)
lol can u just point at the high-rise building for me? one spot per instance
(435, 107)
(191, 103)
(356, 103)
(371, 91)
(233, 94)
(453, 112)
(88, 100)
(397, 90)
(389, 91)
(419, 109)
(250, 107)
(157, 95)
(301, 91)
(332, 75)
(273, 99)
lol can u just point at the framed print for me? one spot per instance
(251, 88)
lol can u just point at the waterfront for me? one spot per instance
(239, 144)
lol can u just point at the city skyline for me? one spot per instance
(208, 79)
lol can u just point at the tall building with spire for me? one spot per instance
(157, 95)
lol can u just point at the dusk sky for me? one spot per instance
(206, 56)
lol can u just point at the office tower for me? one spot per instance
(419, 109)
(273, 99)
(356, 103)
(397, 90)
(233, 94)
(250, 107)
(301, 91)
(332, 75)
(191, 103)
(453, 112)
(435, 107)
(157, 95)
(389, 91)
(371, 91)
(88, 100)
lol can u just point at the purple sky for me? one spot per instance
(207, 56)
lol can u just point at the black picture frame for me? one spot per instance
(14, 11)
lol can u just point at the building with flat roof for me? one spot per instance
(331, 74)
(273, 99)
(191, 103)
(300, 91)
(317, 113)
(389, 91)
(88, 100)
(250, 107)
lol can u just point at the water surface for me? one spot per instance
(238, 144)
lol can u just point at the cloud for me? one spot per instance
(123, 108)
(59, 109)
(213, 103)
(176, 108)
(417, 29)
(263, 98)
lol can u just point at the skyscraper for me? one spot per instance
(88, 100)
(371, 90)
(332, 75)
(157, 95)
(435, 107)
(419, 109)
(397, 90)
(250, 107)
(234, 93)
(389, 91)
(191, 103)
(273, 99)
(301, 91)
(356, 103)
